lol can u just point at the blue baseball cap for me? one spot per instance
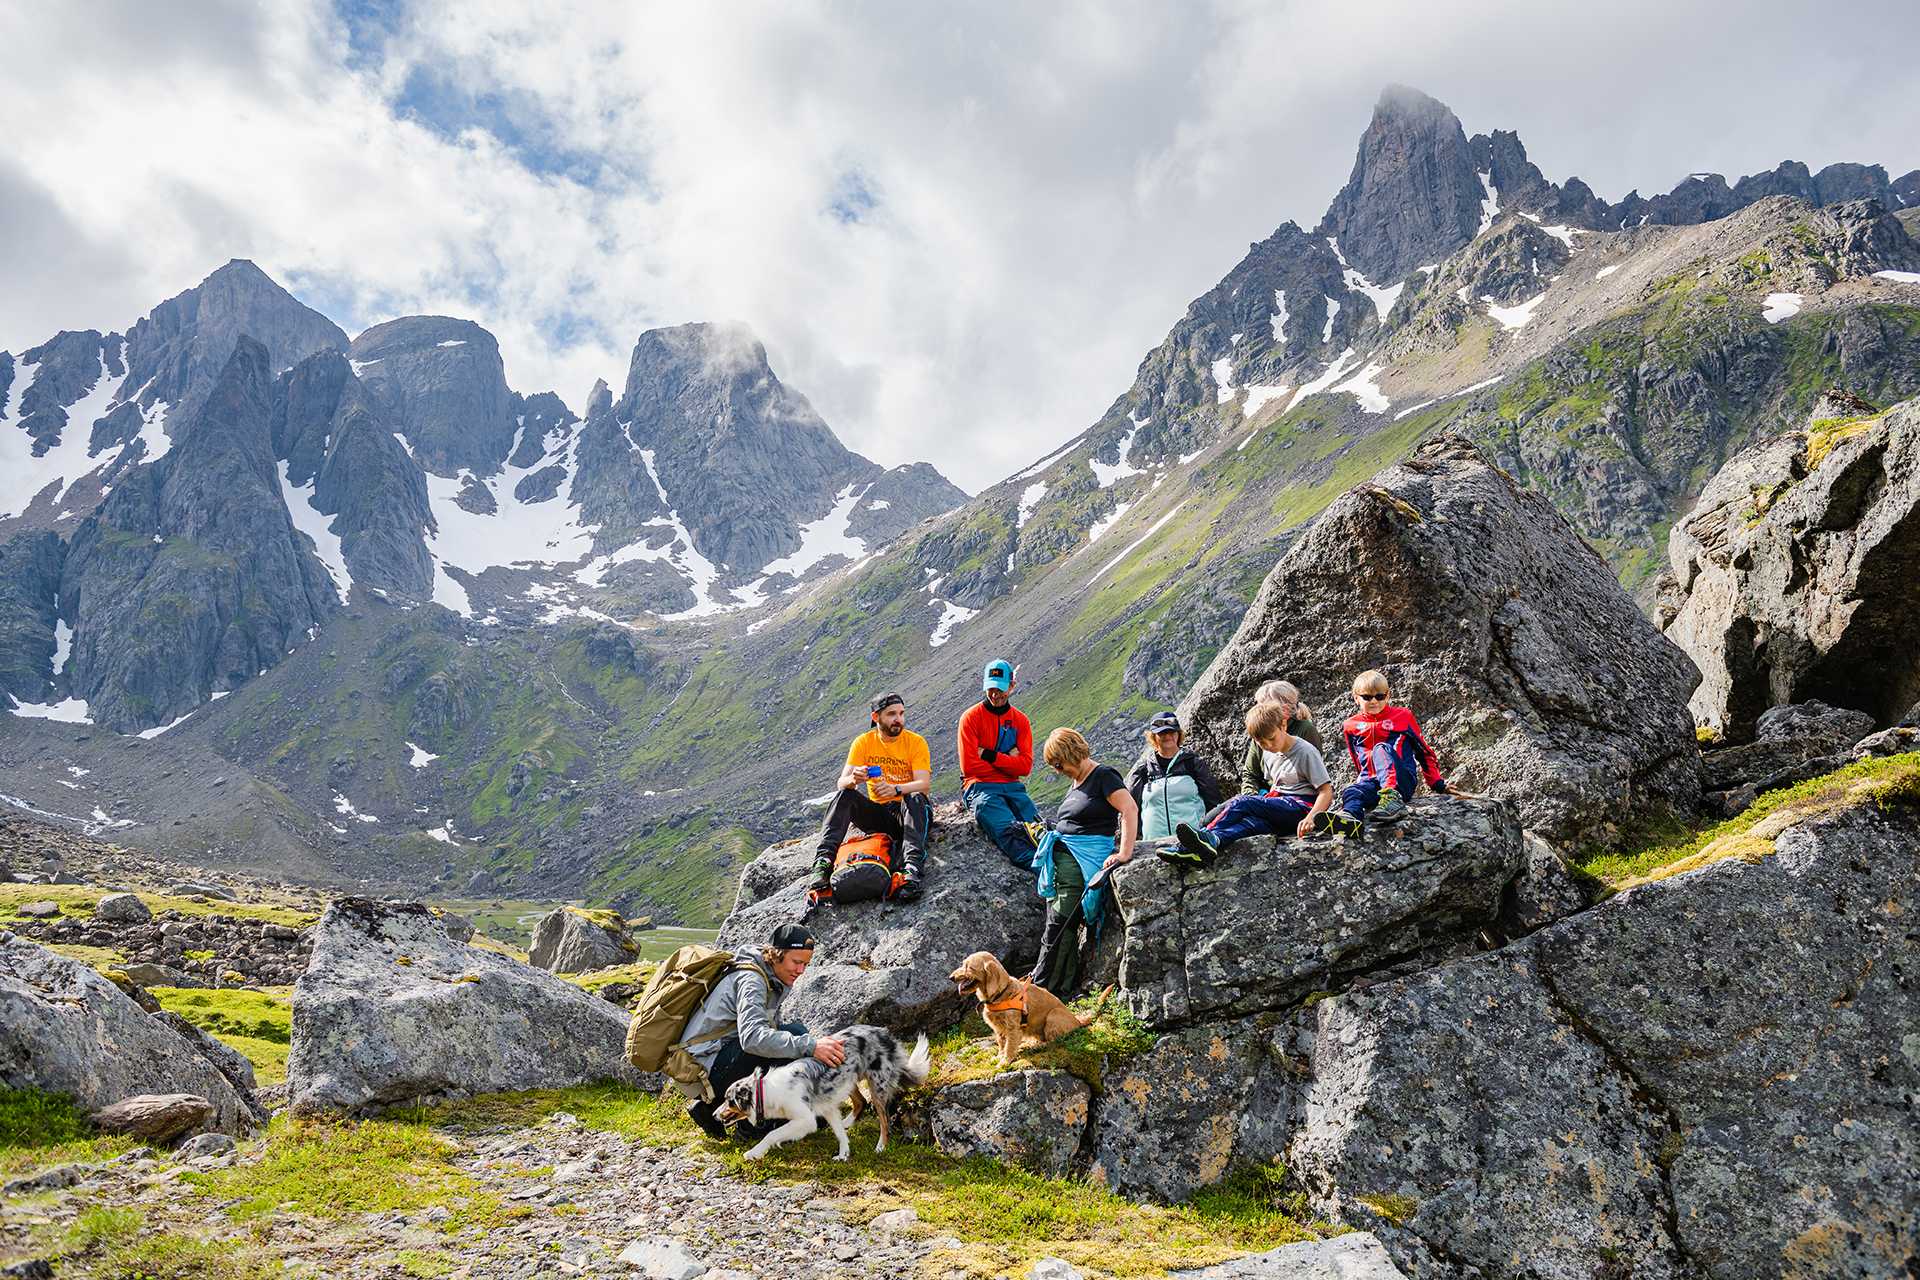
(999, 675)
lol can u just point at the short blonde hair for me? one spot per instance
(1372, 682)
(1066, 749)
(771, 955)
(1278, 692)
(1265, 719)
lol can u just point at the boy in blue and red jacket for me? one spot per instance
(1388, 753)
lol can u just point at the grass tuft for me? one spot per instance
(260, 1026)
(331, 1168)
(30, 1118)
(1672, 847)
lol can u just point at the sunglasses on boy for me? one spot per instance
(1371, 697)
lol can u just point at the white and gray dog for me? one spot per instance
(808, 1090)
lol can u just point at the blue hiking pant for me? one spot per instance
(999, 808)
(1401, 772)
(1253, 815)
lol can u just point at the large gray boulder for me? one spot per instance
(1532, 673)
(888, 963)
(66, 1029)
(1797, 575)
(390, 1008)
(571, 940)
(1710, 1074)
(1275, 920)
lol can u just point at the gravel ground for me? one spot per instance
(603, 1194)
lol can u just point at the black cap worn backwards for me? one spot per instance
(792, 937)
(883, 701)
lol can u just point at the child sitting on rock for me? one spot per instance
(1299, 792)
(1389, 755)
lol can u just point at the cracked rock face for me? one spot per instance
(1711, 1074)
(1274, 921)
(888, 963)
(1030, 1118)
(1200, 1102)
(390, 1008)
(1531, 671)
(1797, 576)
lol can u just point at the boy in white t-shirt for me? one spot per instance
(1299, 790)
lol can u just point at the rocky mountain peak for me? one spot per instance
(175, 354)
(444, 385)
(1414, 196)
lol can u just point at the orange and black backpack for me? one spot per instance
(863, 869)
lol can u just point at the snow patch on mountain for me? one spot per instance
(1279, 317)
(1108, 474)
(950, 618)
(1781, 305)
(1333, 309)
(826, 537)
(1223, 385)
(1258, 396)
(1489, 207)
(1383, 299)
(1361, 385)
(318, 526)
(1335, 371)
(1513, 317)
(71, 711)
(24, 477)
(1028, 501)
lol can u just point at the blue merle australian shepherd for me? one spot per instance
(808, 1090)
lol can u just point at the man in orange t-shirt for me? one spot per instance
(897, 769)
(996, 752)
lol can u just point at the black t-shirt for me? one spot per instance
(1085, 811)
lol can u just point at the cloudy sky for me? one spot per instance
(957, 227)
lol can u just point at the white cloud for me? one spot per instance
(920, 210)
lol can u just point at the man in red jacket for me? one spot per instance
(996, 752)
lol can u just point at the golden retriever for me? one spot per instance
(1023, 1015)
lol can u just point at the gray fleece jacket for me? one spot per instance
(742, 1000)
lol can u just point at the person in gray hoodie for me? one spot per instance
(748, 999)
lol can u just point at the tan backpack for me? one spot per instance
(674, 994)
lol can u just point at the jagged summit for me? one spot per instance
(1414, 196)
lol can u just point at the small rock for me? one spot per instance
(1888, 742)
(40, 910)
(122, 907)
(439, 1214)
(1052, 1269)
(897, 1219)
(847, 1253)
(207, 1144)
(31, 1269)
(663, 1259)
(529, 1193)
(153, 1116)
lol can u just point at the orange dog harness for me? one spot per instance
(1014, 1002)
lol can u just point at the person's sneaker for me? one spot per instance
(1342, 823)
(1392, 808)
(1197, 843)
(1174, 852)
(1033, 833)
(749, 1132)
(701, 1116)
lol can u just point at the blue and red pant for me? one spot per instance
(1389, 768)
(1257, 815)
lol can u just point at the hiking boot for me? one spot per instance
(1392, 808)
(1176, 853)
(1032, 833)
(701, 1114)
(910, 887)
(1340, 823)
(1197, 844)
(749, 1132)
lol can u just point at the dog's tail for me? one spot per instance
(920, 1063)
(1084, 1018)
